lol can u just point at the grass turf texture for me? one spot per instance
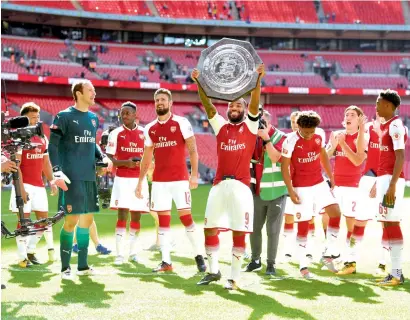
(133, 291)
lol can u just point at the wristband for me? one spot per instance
(265, 142)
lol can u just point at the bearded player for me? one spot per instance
(125, 148)
(348, 148)
(390, 182)
(167, 136)
(230, 201)
(33, 164)
(305, 150)
(73, 153)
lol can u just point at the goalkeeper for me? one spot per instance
(73, 152)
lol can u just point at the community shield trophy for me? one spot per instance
(228, 69)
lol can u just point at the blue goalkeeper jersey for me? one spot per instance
(73, 143)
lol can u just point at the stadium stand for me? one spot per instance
(66, 5)
(369, 82)
(117, 7)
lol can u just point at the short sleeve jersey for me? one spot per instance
(168, 139)
(346, 173)
(125, 144)
(373, 150)
(305, 158)
(235, 146)
(394, 137)
(32, 162)
(77, 145)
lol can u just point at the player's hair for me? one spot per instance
(243, 102)
(391, 96)
(29, 107)
(130, 105)
(294, 114)
(77, 86)
(163, 91)
(358, 110)
(308, 119)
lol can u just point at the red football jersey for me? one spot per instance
(235, 146)
(32, 162)
(345, 172)
(373, 151)
(168, 139)
(394, 137)
(305, 158)
(124, 144)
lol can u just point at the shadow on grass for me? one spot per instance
(29, 279)
(9, 310)
(88, 292)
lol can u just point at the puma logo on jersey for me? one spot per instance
(68, 252)
(299, 147)
(75, 121)
(122, 137)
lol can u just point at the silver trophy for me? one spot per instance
(228, 69)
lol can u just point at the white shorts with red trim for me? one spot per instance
(367, 207)
(162, 194)
(230, 207)
(123, 195)
(317, 196)
(347, 197)
(38, 200)
(390, 214)
(289, 207)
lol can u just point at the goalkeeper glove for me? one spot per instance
(60, 178)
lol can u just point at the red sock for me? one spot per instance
(211, 242)
(187, 220)
(288, 228)
(303, 230)
(135, 226)
(239, 242)
(164, 221)
(121, 224)
(358, 232)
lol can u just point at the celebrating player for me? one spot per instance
(125, 148)
(73, 152)
(390, 182)
(348, 147)
(33, 163)
(168, 135)
(230, 201)
(307, 189)
(290, 211)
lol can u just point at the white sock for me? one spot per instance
(396, 258)
(237, 257)
(302, 246)
(32, 242)
(164, 242)
(48, 235)
(133, 241)
(119, 237)
(193, 236)
(384, 253)
(212, 252)
(331, 241)
(289, 240)
(21, 247)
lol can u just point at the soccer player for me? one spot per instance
(307, 189)
(230, 201)
(167, 136)
(390, 182)
(367, 205)
(348, 148)
(33, 163)
(125, 149)
(73, 152)
(288, 234)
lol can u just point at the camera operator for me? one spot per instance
(269, 193)
(32, 165)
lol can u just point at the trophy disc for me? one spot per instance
(228, 69)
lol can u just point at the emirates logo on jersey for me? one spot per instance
(232, 145)
(374, 145)
(317, 140)
(384, 148)
(173, 129)
(312, 156)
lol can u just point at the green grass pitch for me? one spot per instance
(132, 291)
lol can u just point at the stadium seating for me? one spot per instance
(312, 81)
(369, 82)
(206, 144)
(10, 66)
(45, 50)
(182, 9)
(368, 12)
(279, 11)
(117, 7)
(66, 5)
